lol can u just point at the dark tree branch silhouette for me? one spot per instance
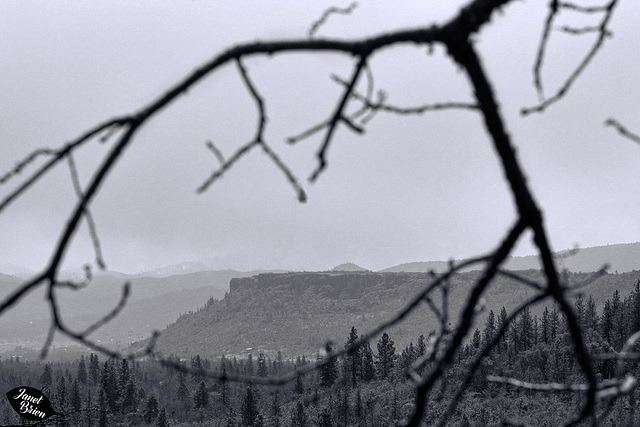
(456, 36)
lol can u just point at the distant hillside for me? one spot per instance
(349, 266)
(419, 267)
(621, 258)
(154, 303)
(298, 312)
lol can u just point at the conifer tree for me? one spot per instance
(94, 368)
(249, 408)
(525, 330)
(476, 341)
(75, 400)
(249, 366)
(82, 371)
(197, 367)
(151, 409)
(275, 409)
(61, 394)
(298, 385)
(262, 366)
(503, 345)
(368, 371)
(125, 375)
(182, 392)
(46, 378)
(386, 357)
(88, 415)
(489, 328)
(131, 397)
(328, 371)
(354, 358)
(201, 397)
(545, 327)
(162, 419)
(324, 418)
(103, 409)
(108, 383)
(592, 315)
(299, 416)
(231, 420)
(278, 364)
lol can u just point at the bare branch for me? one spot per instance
(17, 169)
(603, 32)
(622, 130)
(327, 13)
(336, 117)
(59, 155)
(215, 151)
(87, 214)
(126, 290)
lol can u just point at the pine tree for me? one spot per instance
(46, 378)
(61, 394)
(82, 371)
(592, 315)
(328, 371)
(278, 364)
(299, 416)
(249, 368)
(125, 375)
(129, 400)
(580, 312)
(617, 308)
(607, 322)
(162, 419)
(249, 409)
(230, 420)
(94, 368)
(103, 408)
(151, 409)
(76, 402)
(525, 326)
(182, 392)
(545, 332)
(489, 329)
(298, 385)
(201, 397)
(324, 418)
(108, 383)
(503, 345)
(368, 371)
(385, 357)
(88, 415)
(262, 366)
(476, 341)
(197, 368)
(275, 409)
(354, 358)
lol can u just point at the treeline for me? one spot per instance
(365, 387)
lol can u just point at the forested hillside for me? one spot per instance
(297, 313)
(368, 387)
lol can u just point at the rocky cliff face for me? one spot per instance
(297, 313)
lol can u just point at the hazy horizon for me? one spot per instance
(409, 189)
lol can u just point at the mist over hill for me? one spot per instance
(622, 257)
(154, 302)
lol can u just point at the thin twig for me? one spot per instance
(327, 13)
(622, 130)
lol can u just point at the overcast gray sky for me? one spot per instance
(411, 189)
